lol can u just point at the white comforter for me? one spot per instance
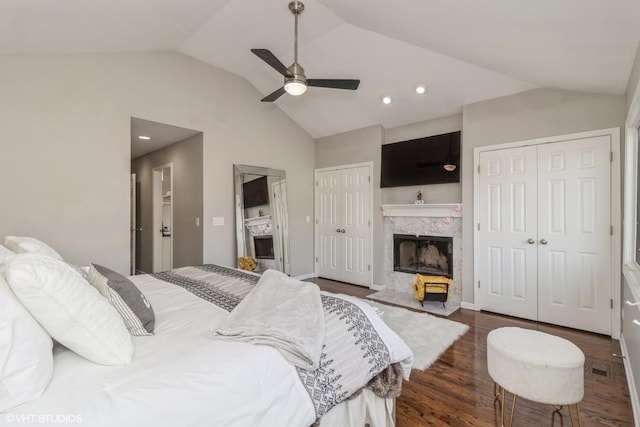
(180, 376)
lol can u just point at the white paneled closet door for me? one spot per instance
(356, 226)
(328, 249)
(544, 238)
(343, 224)
(508, 206)
(574, 234)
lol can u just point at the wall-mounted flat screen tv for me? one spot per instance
(255, 193)
(429, 160)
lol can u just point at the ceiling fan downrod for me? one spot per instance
(296, 7)
(296, 84)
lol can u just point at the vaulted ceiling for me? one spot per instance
(463, 51)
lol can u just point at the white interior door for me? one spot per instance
(574, 237)
(328, 200)
(162, 196)
(343, 224)
(544, 232)
(507, 216)
(133, 225)
(356, 226)
(157, 220)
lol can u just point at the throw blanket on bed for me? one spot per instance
(258, 319)
(352, 354)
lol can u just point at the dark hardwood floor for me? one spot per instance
(457, 390)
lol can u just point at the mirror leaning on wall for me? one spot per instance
(262, 230)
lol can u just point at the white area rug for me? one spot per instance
(407, 300)
(426, 335)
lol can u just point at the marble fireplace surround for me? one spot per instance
(422, 220)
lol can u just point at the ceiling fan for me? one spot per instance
(295, 82)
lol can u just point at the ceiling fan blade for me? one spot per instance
(271, 59)
(334, 83)
(274, 95)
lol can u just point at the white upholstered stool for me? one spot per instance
(535, 366)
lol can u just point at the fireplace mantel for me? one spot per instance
(259, 225)
(426, 210)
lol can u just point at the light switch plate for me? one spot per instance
(218, 220)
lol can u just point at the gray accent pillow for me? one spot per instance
(127, 299)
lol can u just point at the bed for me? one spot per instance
(181, 376)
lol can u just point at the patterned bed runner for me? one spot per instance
(343, 369)
(222, 286)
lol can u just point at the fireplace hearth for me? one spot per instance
(428, 255)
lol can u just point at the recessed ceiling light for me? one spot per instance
(420, 90)
(386, 99)
(144, 137)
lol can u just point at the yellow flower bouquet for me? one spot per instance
(247, 263)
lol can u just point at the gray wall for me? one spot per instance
(532, 114)
(634, 79)
(186, 157)
(65, 144)
(364, 145)
(528, 115)
(358, 146)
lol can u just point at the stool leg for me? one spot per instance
(513, 409)
(578, 415)
(502, 407)
(570, 414)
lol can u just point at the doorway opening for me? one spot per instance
(167, 207)
(162, 218)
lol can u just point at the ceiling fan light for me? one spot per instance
(449, 167)
(295, 87)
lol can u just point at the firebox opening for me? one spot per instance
(431, 255)
(264, 247)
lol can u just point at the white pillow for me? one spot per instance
(30, 245)
(69, 308)
(26, 360)
(5, 253)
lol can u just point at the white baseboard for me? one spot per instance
(306, 276)
(468, 306)
(633, 392)
(375, 287)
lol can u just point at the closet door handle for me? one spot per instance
(531, 241)
(338, 230)
(342, 231)
(543, 242)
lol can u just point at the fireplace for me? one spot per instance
(264, 247)
(439, 224)
(429, 255)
